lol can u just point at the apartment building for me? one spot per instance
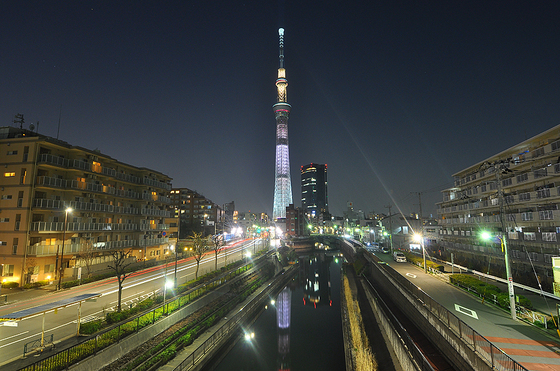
(197, 213)
(58, 201)
(518, 188)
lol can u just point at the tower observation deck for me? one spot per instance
(283, 183)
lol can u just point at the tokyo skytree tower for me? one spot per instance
(283, 183)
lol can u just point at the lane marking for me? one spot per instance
(411, 275)
(13, 336)
(467, 311)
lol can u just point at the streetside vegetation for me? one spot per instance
(418, 260)
(487, 291)
(364, 357)
(81, 351)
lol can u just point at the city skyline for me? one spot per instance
(395, 97)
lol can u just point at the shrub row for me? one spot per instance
(486, 290)
(415, 259)
(10, 285)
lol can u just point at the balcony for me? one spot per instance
(53, 160)
(154, 227)
(156, 183)
(43, 203)
(157, 212)
(48, 181)
(153, 242)
(51, 250)
(128, 178)
(81, 227)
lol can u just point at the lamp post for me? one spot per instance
(61, 269)
(175, 277)
(419, 238)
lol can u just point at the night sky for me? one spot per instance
(394, 96)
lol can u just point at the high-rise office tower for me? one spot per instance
(282, 182)
(314, 196)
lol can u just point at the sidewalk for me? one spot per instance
(13, 296)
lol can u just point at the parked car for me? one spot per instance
(399, 257)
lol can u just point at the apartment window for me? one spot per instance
(4, 220)
(526, 216)
(522, 177)
(510, 217)
(6, 197)
(513, 235)
(9, 174)
(549, 236)
(507, 182)
(525, 196)
(49, 268)
(538, 152)
(23, 176)
(539, 173)
(11, 153)
(529, 236)
(7, 270)
(543, 193)
(546, 215)
(509, 199)
(555, 145)
(25, 153)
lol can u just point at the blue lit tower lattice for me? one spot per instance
(283, 183)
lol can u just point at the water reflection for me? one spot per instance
(308, 334)
(283, 314)
(317, 286)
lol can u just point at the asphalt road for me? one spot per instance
(62, 323)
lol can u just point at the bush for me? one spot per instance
(10, 285)
(90, 327)
(487, 290)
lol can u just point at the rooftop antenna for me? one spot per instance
(18, 119)
(59, 115)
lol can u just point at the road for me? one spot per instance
(529, 346)
(63, 322)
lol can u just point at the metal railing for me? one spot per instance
(232, 324)
(487, 351)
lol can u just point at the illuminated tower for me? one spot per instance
(282, 181)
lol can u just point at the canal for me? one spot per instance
(301, 328)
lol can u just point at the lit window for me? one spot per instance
(7, 175)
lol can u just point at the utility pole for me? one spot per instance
(391, 229)
(498, 170)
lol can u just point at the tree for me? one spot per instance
(199, 248)
(120, 265)
(87, 254)
(218, 242)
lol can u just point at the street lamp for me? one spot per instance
(503, 242)
(61, 269)
(419, 238)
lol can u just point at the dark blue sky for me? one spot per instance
(394, 96)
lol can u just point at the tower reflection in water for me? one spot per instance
(283, 314)
(317, 285)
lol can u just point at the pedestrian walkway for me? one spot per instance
(12, 296)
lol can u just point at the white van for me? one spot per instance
(399, 257)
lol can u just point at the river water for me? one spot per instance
(301, 329)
